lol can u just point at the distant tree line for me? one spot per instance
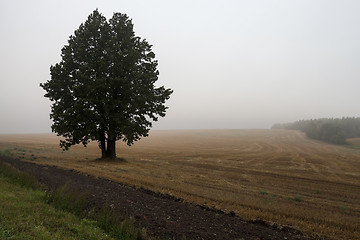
(331, 130)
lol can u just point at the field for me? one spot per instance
(275, 175)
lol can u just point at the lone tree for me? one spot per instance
(103, 88)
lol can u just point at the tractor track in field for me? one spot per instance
(161, 215)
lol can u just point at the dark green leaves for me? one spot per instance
(104, 84)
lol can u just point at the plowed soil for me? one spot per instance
(160, 214)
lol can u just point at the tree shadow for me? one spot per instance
(111, 160)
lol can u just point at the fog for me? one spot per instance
(231, 64)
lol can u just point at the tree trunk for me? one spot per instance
(102, 146)
(111, 148)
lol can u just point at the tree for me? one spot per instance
(325, 129)
(103, 88)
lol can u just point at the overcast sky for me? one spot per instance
(231, 64)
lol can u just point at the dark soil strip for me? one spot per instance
(161, 215)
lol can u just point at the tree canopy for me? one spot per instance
(332, 130)
(103, 88)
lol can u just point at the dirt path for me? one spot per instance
(161, 215)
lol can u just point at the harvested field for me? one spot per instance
(159, 216)
(274, 175)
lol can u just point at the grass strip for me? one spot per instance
(17, 177)
(26, 212)
(25, 215)
(67, 199)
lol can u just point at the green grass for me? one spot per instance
(353, 146)
(298, 198)
(6, 152)
(25, 215)
(67, 199)
(263, 192)
(343, 207)
(20, 153)
(29, 213)
(353, 143)
(18, 177)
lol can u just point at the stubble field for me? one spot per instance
(275, 175)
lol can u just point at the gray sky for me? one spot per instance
(231, 64)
